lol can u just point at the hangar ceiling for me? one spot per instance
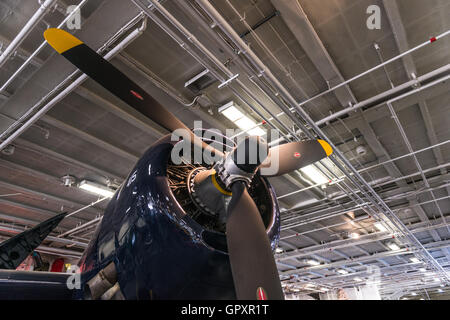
(391, 125)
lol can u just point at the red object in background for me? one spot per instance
(58, 265)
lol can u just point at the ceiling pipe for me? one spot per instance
(428, 42)
(9, 229)
(389, 93)
(364, 239)
(328, 215)
(29, 26)
(64, 82)
(119, 47)
(346, 210)
(39, 49)
(80, 227)
(373, 183)
(410, 149)
(385, 280)
(55, 251)
(381, 98)
(384, 254)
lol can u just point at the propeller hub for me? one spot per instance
(242, 163)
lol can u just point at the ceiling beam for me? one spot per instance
(38, 149)
(42, 195)
(126, 154)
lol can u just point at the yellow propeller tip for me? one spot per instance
(61, 40)
(326, 146)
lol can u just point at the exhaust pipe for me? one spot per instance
(113, 293)
(102, 282)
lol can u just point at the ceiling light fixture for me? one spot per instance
(278, 250)
(413, 294)
(414, 260)
(393, 246)
(422, 269)
(354, 235)
(96, 188)
(314, 174)
(342, 271)
(357, 279)
(380, 227)
(312, 262)
(245, 123)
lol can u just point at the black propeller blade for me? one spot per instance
(14, 250)
(103, 72)
(254, 270)
(295, 155)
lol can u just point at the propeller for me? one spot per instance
(253, 266)
(294, 155)
(252, 263)
(108, 76)
(255, 274)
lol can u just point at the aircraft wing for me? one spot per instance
(34, 285)
(14, 250)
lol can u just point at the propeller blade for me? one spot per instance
(108, 76)
(14, 250)
(255, 274)
(293, 156)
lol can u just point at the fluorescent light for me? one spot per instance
(232, 113)
(314, 174)
(442, 285)
(313, 262)
(242, 121)
(354, 235)
(413, 294)
(440, 290)
(357, 279)
(422, 269)
(278, 250)
(96, 188)
(256, 132)
(245, 123)
(380, 227)
(414, 259)
(342, 271)
(393, 246)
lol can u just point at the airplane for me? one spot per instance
(170, 231)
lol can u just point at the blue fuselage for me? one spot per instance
(159, 251)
